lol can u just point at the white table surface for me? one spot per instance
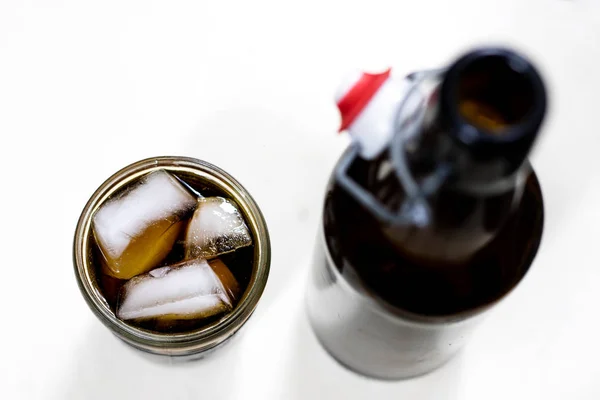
(89, 87)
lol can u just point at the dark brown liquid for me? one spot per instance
(369, 258)
(493, 95)
(239, 262)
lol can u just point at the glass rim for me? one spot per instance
(203, 338)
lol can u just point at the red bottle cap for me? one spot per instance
(353, 101)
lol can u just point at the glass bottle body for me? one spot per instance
(384, 314)
(420, 240)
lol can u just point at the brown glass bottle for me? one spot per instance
(483, 230)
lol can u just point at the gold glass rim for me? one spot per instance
(205, 337)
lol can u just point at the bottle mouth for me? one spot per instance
(493, 96)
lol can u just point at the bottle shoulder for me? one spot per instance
(359, 245)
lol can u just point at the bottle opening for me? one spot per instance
(495, 92)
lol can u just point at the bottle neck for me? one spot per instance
(481, 121)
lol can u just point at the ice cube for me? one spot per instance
(136, 230)
(217, 227)
(188, 290)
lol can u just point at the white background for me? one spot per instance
(89, 87)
